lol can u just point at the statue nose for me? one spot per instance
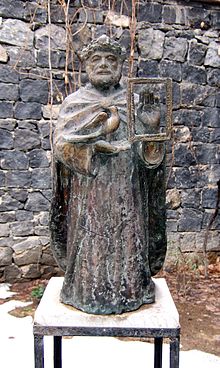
(103, 63)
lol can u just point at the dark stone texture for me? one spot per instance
(22, 215)
(191, 198)
(215, 136)
(193, 74)
(24, 59)
(175, 49)
(26, 140)
(194, 94)
(37, 202)
(41, 178)
(213, 77)
(58, 59)
(207, 153)
(19, 194)
(6, 217)
(9, 204)
(196, 54)
(201, 134)
(169, 14)
(216, 19)
(12, 9)
(34, 11)
(2, 178)
(15, 160)
(38, 158)
(209, 197)
(169, 69)
(196, 15)
(211, 118)
(22, 228)
(6, 109)
(18, 179)
(190, 220)
(27, 110)
(34, 91)
(12, 273)
(6, 139)
(184, 155)
(44, 128)
(8, 124)
(8, 75)
(149, 13)
(9, 92)
(148, 69)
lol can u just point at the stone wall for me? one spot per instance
(176, 39)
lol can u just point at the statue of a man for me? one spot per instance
(108, 207)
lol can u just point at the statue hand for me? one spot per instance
(148, 111)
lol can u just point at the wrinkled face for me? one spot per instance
(103, 69)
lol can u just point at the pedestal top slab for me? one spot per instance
(52, 313)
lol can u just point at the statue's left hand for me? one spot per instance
(112, 123)
(148, 112)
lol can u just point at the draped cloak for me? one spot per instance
(108, 211)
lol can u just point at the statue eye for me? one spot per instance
(111, 58)
(95, 59)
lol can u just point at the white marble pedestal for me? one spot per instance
(158, 320)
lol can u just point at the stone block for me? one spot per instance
(213, 77)
(34, 10)
(209, 197)
(208, 217)
(26, 140)
(201, 134)
(171, 225)
(12, 273)
(169, 14)
(215, 136)
(15, 32)
(196, 53)
(37, 202)
(188, 118)
(9, 92)
(213, 243)
(41, 178)
(49, 111)
(58, 59)
(57, 41)
(9, 204)
(38, 158)
(194, 74)
(44, 128)
(19, 194)
(3, 55)
(196, 15)
(31, 271)
(29, 125)
(211, 118)
(8, 124)
(170, 69)
(173, 199)
(6, 139)
(22, 59)
(44, 218)
(2, 178)
(212, 56)
(5, 256)
(150, 43)
(34, 91)
(22, 215)
(18, 179)
(184, 155)
(206, 153)
(27, 251)
(4, 230)
(150, 12)
(194, 94)
(6, 109)
(47, 258)
(12, 9)
(22, 228)
(172, 214)
(15, 160)
(216, 19)
(191, 198)
(148, 69)
(190, 220)
(182, 178)
(175, 49)
(182, 134)
(27, 110)
(7, 216)
(188, 242)
(42, 230)
(8, 75)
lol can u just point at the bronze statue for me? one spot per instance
(108, 207)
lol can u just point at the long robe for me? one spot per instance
(108, 211)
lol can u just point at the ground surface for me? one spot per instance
(197, 300)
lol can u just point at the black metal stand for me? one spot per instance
(55, 319)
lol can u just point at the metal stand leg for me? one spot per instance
(57, 354)
(158, 348)
(39, 351)
(174, 352)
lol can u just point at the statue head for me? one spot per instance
(103, 60)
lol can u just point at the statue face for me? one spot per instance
(103, 69)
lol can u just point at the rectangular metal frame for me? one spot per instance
(160, 137)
